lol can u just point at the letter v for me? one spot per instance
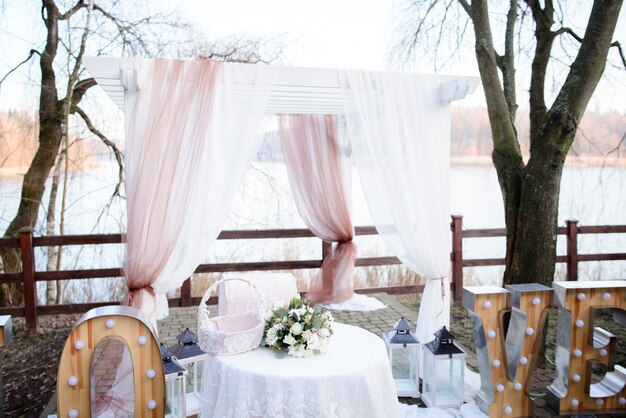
(506, 359)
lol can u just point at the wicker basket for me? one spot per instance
(230, 334)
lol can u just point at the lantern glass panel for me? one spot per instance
(404, 369)
(193, 382)
(443, 379)
(175, 397)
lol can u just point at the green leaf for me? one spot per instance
(317, 323)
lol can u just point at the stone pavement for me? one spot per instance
(376, 322)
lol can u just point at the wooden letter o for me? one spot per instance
(129, 325)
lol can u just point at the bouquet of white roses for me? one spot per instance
(298, 328)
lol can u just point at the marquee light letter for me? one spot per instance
(506, 362)
(580, 344)
(134, 329)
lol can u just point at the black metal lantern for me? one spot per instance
(174, 384)
(190, 355)
(443, 371)
(403, 350)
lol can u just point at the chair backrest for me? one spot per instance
(235, 296)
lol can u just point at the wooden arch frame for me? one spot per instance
(133, 328)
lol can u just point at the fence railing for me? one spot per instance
(28, 277)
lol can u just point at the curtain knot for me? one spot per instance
(133, 295)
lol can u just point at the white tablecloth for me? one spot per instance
(352, 379)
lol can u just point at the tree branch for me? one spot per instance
(30, 55)
(81, 88)
(617, 45)
(585, 72)
(466, 6)
(79, 5)
(508, 61)
(543, 49)
(569, 31)
(503, 130)
(116, 151)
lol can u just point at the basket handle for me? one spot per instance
(203, 308)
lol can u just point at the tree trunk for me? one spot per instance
(534, 247)
(50, 120)
(53, 254)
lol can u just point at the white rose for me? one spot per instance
(307, 335)
(289, 340)
(314, 342)
(296, 329)
(270, 337)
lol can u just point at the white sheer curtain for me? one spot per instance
(400, 134)
(189, 143)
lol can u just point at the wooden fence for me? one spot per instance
(26, 242)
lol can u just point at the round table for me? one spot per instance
(352, 379)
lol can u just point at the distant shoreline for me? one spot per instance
(575, 162)
(479, 160)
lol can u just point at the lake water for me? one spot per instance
(593, 196)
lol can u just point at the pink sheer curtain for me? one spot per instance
(319, 178)
(166, 136)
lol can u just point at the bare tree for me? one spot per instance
(101, 30)
(530, 190)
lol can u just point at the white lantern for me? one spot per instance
(174, 385)
(443, 371)
(190, 355)
(403, 349)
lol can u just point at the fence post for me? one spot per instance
(326, 247)
(28, 276)
(457, 256)
(185, 293)
(572, 251)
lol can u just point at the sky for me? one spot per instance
(322, 33)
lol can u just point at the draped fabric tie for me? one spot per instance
(134, 296)
(337, 273)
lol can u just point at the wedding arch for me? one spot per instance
(191, 134)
